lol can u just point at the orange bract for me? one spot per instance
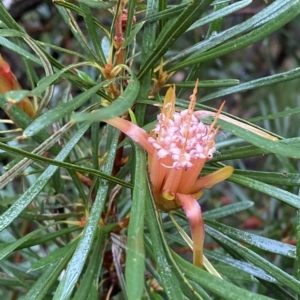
(8, 82)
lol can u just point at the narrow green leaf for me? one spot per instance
(272, 191)
(90, 275)
(255, 84)
(165, 14)
(95, 140)
(92, 31)
(239, 152)
(208, 83)
(49, 80)
(135, 258)
(282, 114)
(54, 256)
(220, 13)
(48, 237)
(286, 179)
(298, 246)
(8, 19)
(93, 294)
(255, 240)
(131, 11)
(216, 25)
(29, 215)
(7, 281)
(240, 265)
(61, 49)
(149, 37)
(41, 287)
(222, 288)
(98, 4)
(19, 95)
(287, 147)
(227, 210)
(281, 292)
(133, 34)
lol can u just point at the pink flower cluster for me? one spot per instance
(184, 138)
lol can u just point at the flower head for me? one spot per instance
(178, 147)
(182, 145)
